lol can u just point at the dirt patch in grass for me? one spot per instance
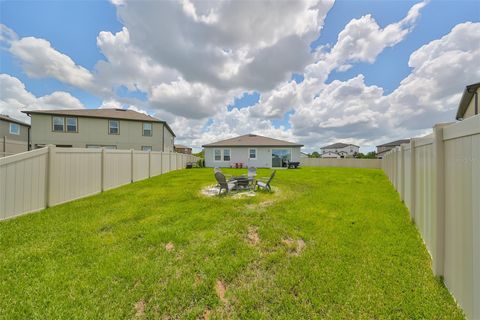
(294, 247)
(221, 289)
(169, 247)
(206, 314)
(212, 191)
(140, 308)
(198, 279)
(252, 236)
(261, 205)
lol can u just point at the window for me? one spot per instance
(147, 129)
(252, 154)
(226, 154)
(71, 124)
(113, 127)
(14, 128)
(58, 124)
(146, 148)
(218, 154)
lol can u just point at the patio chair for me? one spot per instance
(224, 184)
(265, 182)
(227, 176)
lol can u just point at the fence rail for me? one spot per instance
(41, 178)
(347, 162)
(438, 178)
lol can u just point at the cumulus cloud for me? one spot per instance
(222, 43)
(40, 60)
(14, 98)
(441, 70)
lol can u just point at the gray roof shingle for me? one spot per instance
(9, 119)
(252, 140)
(121, 114)
(338, 145)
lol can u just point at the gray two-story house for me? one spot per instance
(97, 128)
(14, 136)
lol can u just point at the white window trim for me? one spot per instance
(151, 129)
(53, 124)
(10, 129)
(255, 153)
(66, 124)
(118, 127)
(229, 153)
(221, 155)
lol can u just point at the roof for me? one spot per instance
(338, 145)
(252, 140)
(121, 114)
(466, 98)
(9, 119)
(181, 146)
(394, 143)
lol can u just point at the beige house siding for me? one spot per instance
(12, 143)
(241, 155)
(94, 131)
(470, 112)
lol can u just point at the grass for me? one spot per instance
(330, 243)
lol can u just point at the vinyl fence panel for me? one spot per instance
(441, 188)
(142, 165)
(76, 173)
(118, 168)
(23, 182)
(348, 162)
(155, 163)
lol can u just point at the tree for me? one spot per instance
(315, 154)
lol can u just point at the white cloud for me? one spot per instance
(222, 44)
(40, 60)
(14, 98)
(362, 40)
(191, 100)
(441, 70)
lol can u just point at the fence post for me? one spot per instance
(131, 165)
(439, 199)
(412, 179)
(402, 173)
(102, 170)
(49, 176)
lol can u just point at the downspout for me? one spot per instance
(476, 102)
(163, 137)
(28, 139)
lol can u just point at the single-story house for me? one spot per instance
(180, 148)
(343, 150)
(468, 106)
(14, 136)
(383, 148)
(97, 128)
(251, 150)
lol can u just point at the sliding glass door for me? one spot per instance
(280, 158)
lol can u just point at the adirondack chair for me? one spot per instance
(265, 183)
(224, 184)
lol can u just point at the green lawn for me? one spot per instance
(330, 243)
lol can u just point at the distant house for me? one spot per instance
(339, 150)
(468, 106)
(96, 128)
(180, 148)
(384, 148)
(14, 136)
(251, 150)
(304, 155)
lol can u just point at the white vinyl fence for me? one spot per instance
(346, 162)
(41, 178)
(438, 178)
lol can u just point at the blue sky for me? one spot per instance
(72, 28)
